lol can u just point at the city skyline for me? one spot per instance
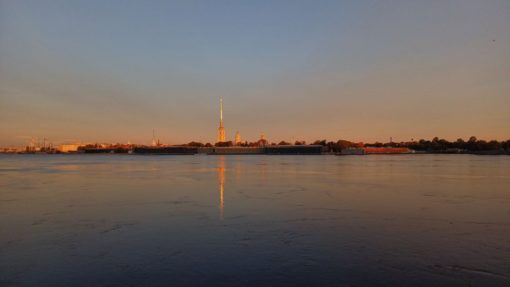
(221, 138)
(355, 70)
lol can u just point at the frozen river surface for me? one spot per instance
(121, 220)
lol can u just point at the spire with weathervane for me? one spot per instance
(221, 129)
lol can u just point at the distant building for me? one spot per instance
(387, 150)
(375, 150)
(236, 150)
(352, 151)
(238, 139)
(68, 147)
(262, 141)
(294, 149)
(12, 149)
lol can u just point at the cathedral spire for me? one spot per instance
(221, 129)
(221, 111)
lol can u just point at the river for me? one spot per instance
(254, 220)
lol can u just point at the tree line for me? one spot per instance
(435, 145)
(439, 145)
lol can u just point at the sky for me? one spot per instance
(112, 71)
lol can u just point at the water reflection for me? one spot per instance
(221, 181)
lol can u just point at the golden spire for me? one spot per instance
(221, 129)
(221, 111)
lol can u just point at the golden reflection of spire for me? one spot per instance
(221, 180)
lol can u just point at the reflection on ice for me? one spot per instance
(93, 220)
(221, 180)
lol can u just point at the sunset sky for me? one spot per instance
(111, 71)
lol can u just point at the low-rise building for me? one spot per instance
(69, 147)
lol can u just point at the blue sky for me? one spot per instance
(111, 71)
